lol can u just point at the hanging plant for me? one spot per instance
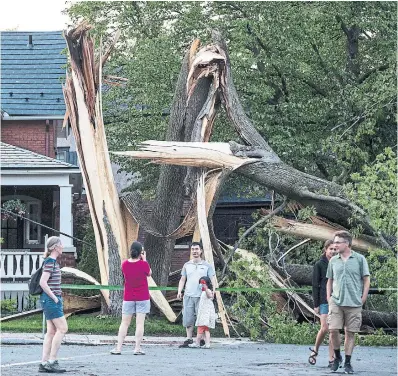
(14, 206)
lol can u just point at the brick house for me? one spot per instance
(38, 155)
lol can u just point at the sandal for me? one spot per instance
(312, 357)
(139, 352)
(115, 352)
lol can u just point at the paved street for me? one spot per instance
(230, 358)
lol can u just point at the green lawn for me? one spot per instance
(94, 324)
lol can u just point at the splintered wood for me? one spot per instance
(82, 92)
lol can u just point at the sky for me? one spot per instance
(32, 15)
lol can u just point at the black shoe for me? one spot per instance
(42, 368)
(330, 363)
(348, 368)
(336, 364)
(202, 342)
(53, 367)
(186, 343)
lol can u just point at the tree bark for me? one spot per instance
(167, 209)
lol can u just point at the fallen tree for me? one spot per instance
(205, 79)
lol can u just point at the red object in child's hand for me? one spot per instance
(203, 282)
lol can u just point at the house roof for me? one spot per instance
(13, 157)
(31, 73)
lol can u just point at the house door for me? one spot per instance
(12, 233)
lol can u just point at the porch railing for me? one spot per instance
(19, 264)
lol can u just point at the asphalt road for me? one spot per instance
(165, 360)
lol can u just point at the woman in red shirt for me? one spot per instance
(136, 299)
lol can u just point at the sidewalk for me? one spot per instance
(97, 340)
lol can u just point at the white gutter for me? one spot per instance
(49, 171)
(40, 117)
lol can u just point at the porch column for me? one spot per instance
(65, 213)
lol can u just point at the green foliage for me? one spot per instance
(15, 206)
(286, 330)
(379, 338)
(383, 271)
(269, 245)
(252, 309)
(8, 306)
(88, 261)
(31, 302)
(375, 189)
(306, 213)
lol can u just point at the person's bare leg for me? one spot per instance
(199, 336)
(207, 337)
(322, 333)
(51, 330)
(331, 351)
(335, 338)
(189, 330)
(123, 328)
(139, 330)
(349, 342)
(61, 329)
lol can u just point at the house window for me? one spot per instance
(33, 230)
(11, 232)
(61, 156)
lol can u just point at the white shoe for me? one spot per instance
(193, 345)
(207, 346)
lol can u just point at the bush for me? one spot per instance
(8, 306)
(286, 330)
(88, 261)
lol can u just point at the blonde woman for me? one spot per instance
(51, 301)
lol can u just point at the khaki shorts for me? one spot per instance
(189, 310)
(348, 317)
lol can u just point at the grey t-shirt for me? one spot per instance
(348, 279)
(194, 271)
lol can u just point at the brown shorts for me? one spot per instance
(348, 317)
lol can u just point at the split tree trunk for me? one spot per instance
(82, 93)
(167, 208)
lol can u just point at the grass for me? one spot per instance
(157, 326)
(94, 324)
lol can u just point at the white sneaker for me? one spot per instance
(193, 345)
(207, 346)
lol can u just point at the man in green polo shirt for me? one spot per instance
(347, 290)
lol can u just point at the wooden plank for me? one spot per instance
(204, 203)
(317, 232)
(131, 225)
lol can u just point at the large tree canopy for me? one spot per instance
(317, 79)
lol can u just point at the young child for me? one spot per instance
(206, 318)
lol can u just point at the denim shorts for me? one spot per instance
(51, 309)
(133, 307)
(323, 309)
